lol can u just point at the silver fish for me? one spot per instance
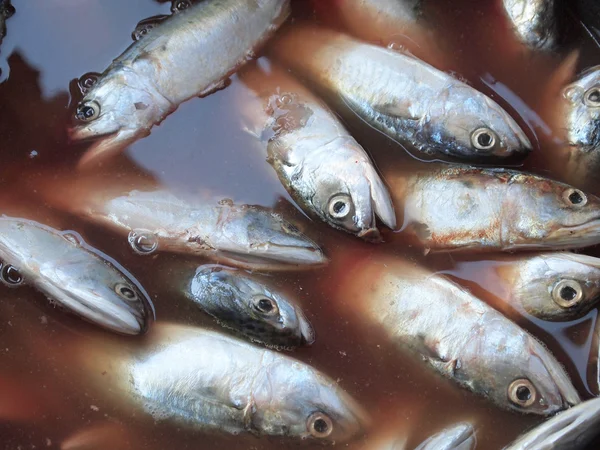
(6, 11)
(470, 209)
(582, 123)
(155, 74)
(457, 437)
(534, 22)
(315, 157)
(242, 235)
(403, 97)
(72, 275)
(550, 286)
(459, 336)
(569, 430)
(243, 303)
(210, 381)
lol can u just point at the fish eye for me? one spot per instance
(265, 305)
(125, 291)
(86, 112)
(483, 139)
(575, 197)
(319, 425)
(521, 392)
(567, 293)
(340, 206)
(10, 275)
(180, 5)
(592, 97)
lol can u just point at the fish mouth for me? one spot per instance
(278, 258)
(577, 236)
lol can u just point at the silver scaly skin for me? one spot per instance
(207, 380)
(460, 336)
(405, 98)
(457, 437)
(240, 301)
(72, 275)
(557, 286)
(315, 157)
(534, 22)
(157, 73)
(242, 235)
(469, 209)
(569, 430)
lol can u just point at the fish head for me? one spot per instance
(523, 376)
(301, 402)
(557, 286)
(551, 214)
(254, 309)
(468, 124)
(582, 99)
(345, 191)
(117, 110)
(260, 238)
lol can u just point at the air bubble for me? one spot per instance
(143, 242)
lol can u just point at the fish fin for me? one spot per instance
(106, 147)
(143, 27)
(382, 201)
(249, 411)
(564, 74)
(421, 230)
(399, 109)
(218, 86)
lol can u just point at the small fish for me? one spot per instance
(557, 286)
(72, 275)
(469, 209)
(570, 430)
(241, 235)
(317, 160)
(457, 437)
(405, 98)
(459, 336)
(210, 381)
(535, 22)
(6, 12)
(241, 302)
(156, 73)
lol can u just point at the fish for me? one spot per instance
(553, 286)
(462, 208)
(582, 124)
(208, 381)
(460, 436)
(6, 12)
(73, 275)
(317, 160)
(246, 236)
(457, 335)
(403, 97)
(535, 22)
(571, 429)
(155, 74)
(242, 302)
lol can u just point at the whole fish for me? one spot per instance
(570, 430)
(206, 380)
(470, 209)
(557, 286)
(6, 11)
(157, 73)
(459, 336)
(405, 98)
(457, 437)
(582, 124)
(317, 160)
(242, 235)
(243, 303)
(72, 275)
(535, 22)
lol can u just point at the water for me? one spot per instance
(47, 396)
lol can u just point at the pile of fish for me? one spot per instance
(299, 97)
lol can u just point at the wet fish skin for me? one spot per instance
(569, 430)
(155, 74)
(242, 235)
(556, 286)
(469, 209)
(73, 276)
(478, 348)
(457, 437)
(317, 160)
(208, 380)
(401, 96)
(245, 304)
(534, 21)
